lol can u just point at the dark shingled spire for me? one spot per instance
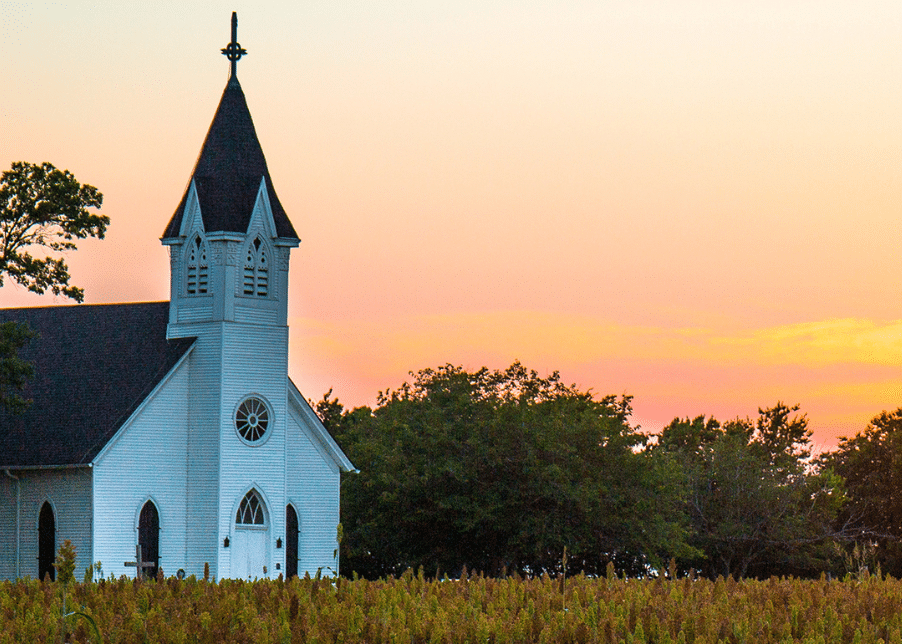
(228, 172)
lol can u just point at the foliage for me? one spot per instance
(755, 505)
(14, 372)
(46, 209)
(65, 563)
(500, 470)
(469, 609)
(42, 210)
(871, 464)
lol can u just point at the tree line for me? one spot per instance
(501, 471)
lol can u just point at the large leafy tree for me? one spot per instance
(43, 211)
(755, 504)
(500, 470)
(871, 464)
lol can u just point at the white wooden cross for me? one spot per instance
(140, 565)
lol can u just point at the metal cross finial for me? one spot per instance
(234, 51)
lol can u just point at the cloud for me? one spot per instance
(842, 371)
(572, 339)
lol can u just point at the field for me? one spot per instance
(474, 609)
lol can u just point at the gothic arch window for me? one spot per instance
(256, 269)
(197, 275)
(149, 537)
(46, 542)
(251, 511)
(292, 529)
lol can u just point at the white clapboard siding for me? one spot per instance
(197, 309)
(147, 460)
(255, 362)
(203, 451)
(313, 488)
(69, 493)
(7, 527)
(255, 310)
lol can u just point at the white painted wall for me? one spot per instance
(203, 453)
(148, 459)
(255, 362)
(69, 493)
(313, 487)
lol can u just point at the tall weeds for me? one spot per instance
(473, 608)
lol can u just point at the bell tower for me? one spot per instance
(229, 243)
(229, 239)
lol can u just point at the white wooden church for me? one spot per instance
(173, 426)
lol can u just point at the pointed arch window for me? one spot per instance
(291, 541)
(46, 543)
(149, 537)
(256, 269)
(198, 273)
(250, 512)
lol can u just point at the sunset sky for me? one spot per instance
(695, 203)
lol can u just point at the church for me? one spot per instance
(168, 434)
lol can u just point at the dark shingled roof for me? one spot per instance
(228, 172)
(94, 365)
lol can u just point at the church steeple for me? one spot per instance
(230, 238)
(230, 166)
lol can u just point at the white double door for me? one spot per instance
(249, 553)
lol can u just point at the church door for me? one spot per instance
(249, 547)
(46, 542)
(291, 542)
(149, 537)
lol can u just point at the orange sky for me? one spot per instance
(696, 203)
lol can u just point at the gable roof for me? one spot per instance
(228, 172)
(94, 365)
(316, 429)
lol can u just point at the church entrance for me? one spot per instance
(251, 538)
(149, 538)
(46, 542)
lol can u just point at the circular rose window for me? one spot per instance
(252, 419)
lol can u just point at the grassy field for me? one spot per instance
(476, 609)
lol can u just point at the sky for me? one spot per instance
(696, 203)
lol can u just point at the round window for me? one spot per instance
(252, 419)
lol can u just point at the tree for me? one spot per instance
(14, 372)
(42, 210)
(871, 464)
(500, 470)
(755, 505)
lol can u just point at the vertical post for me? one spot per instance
(139, 562)
(233, 51)
(234, 59)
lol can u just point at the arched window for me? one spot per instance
(251, 512)
(256, 269)
(291, 542)
(149, 537)
(46, 542)
(198, 270)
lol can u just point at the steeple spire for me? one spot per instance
(234, 51)
(230, 166)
